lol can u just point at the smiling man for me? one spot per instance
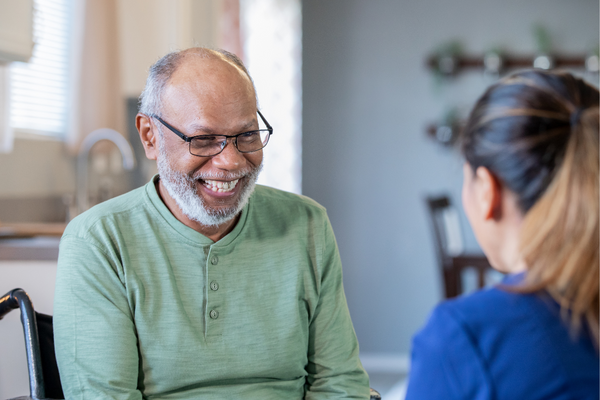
(202, 284)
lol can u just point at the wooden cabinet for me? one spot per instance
(16, 30)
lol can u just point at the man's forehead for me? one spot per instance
(211, 89)
(199, 82)
(200, 69)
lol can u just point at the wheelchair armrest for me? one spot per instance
(8, 302)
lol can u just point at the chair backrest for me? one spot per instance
(457, 267)
(446, 226)
(44, 382)
(52, 384)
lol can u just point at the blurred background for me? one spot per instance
(366, 99)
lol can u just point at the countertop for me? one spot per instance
(31, 229)
(40, 248)
(30, 241)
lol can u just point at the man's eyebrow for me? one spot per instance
(210, 131)
(201, 128)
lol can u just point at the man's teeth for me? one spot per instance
(219, 186)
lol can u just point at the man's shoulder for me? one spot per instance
(108, 212)
(264, 196)
(278, 211)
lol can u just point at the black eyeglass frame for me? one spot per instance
(188, 139)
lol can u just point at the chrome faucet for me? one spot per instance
(83, 155)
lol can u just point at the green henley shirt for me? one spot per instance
(146, 307)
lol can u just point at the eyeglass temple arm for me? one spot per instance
(269, 127)
(175, 131)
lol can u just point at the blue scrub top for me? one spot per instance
(499, 345)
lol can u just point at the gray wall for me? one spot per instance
(367, 98)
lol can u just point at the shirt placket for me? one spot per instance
(215, 292)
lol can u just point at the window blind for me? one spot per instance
(39, 88)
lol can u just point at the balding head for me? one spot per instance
(160, 74)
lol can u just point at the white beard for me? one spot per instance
(182, 188)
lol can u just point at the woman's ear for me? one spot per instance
(148, 135)
(489, 194)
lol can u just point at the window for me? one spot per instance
(39, 88)
(272, 37)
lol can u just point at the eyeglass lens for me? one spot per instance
(248, 142)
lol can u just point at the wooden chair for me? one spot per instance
(450, 250)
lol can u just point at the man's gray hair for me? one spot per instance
(151, 98)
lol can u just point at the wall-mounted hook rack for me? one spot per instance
(454, 64)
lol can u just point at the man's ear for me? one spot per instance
(148, 135)
(489, 193)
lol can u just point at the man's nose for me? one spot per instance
(230, 158)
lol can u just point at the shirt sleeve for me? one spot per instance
(446, 363)
(334, 368)
(94, 333)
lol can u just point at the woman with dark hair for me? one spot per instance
(530, 192)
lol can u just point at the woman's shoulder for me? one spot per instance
(466, 322)
(504, 336)
(445, 351)
(496, 305)
(500, 321)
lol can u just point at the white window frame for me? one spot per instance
(272, 40)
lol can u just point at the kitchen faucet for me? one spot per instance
(82, 160)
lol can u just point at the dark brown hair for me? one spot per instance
(537, 133)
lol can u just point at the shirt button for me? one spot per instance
(214, 314)
(214, 260)
(214, 285)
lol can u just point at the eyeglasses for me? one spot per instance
(211, 145)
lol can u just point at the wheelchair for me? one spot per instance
(44, 381)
